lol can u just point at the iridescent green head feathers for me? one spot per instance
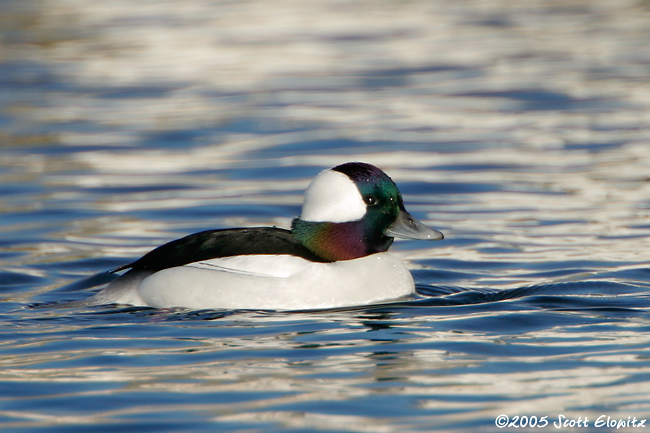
(354, 210)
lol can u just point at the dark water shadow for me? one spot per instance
(610, 298)
(589, 293)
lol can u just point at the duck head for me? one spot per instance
(354, 210)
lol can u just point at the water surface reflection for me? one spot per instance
(519, 130)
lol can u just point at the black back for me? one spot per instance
(212, 244)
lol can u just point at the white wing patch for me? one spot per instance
(278, 266)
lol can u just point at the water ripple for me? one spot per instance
(519, 130)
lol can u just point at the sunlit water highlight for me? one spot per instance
(520, 130)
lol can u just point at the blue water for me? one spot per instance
(520, 131)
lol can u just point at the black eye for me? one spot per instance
(370, 200)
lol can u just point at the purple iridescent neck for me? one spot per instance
(339, 241)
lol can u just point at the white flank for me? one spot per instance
(332, 197)
(278, 283)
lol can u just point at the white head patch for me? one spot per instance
(332, 197)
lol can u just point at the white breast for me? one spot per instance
(276, 282)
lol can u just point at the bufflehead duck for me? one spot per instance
(333, 256)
